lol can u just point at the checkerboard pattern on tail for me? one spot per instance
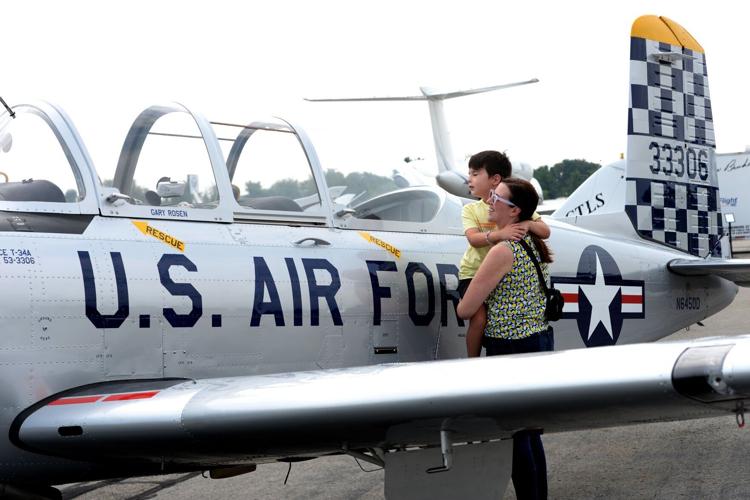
(672, 186)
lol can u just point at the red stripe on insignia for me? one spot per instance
(132, 395)
(570, 297)
(75, 400)
(632, 299)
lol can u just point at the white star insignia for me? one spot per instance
(600, 295)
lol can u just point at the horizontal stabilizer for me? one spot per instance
(353, 99)
(737, 270)
(430, 94)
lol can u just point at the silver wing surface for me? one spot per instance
(227, 421)
(737, 270)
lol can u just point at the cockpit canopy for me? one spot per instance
(175, 164)
(35, 165)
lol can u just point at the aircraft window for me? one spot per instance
(269, 170)
(373, 186)
(174, 169)
(33, 164)
(409, 205)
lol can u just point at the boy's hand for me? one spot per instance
(525, 225)
(511, 232)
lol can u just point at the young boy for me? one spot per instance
(486, 170)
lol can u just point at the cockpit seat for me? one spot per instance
(31, 190)
(271, 203)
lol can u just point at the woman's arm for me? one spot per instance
(498, 262)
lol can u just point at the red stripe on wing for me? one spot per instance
(75, 400)
(131, 395)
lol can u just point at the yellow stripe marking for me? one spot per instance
(382, 244)
(148, 230)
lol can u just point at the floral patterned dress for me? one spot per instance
(515, 308)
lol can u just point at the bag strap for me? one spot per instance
(536, 264)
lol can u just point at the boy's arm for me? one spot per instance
(538, 227)
(517, 231)
(474, 235)
(476, 238)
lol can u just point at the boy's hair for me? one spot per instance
(494, 162)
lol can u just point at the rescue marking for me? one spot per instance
(382, 244)
(170, 240)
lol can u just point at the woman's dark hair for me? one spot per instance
(524, 196)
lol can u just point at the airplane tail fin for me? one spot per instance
(672, 189)
(449, 177)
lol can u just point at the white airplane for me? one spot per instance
(602, 192)
(194, 316)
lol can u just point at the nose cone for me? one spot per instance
(454, 183)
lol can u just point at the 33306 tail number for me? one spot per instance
(678, 161)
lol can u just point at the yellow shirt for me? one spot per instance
(476, 215)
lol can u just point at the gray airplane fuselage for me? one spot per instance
(110, 284)
(100, 304)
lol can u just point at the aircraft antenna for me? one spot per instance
(718, 242)
(12, 114)
(287, 473)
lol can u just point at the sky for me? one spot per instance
(103, 62)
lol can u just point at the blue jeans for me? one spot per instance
(529, 463)
(539, 342)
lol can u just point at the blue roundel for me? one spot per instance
(599, 299)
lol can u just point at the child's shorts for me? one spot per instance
(462, 286)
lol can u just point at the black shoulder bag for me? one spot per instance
(553, 298)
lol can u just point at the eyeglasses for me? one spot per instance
(494, 197)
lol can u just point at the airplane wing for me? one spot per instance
(737, 270)
(236, 420)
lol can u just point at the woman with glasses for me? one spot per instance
(508, 283)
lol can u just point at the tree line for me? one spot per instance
(563, 178)
(356, 182)
(557, 181)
